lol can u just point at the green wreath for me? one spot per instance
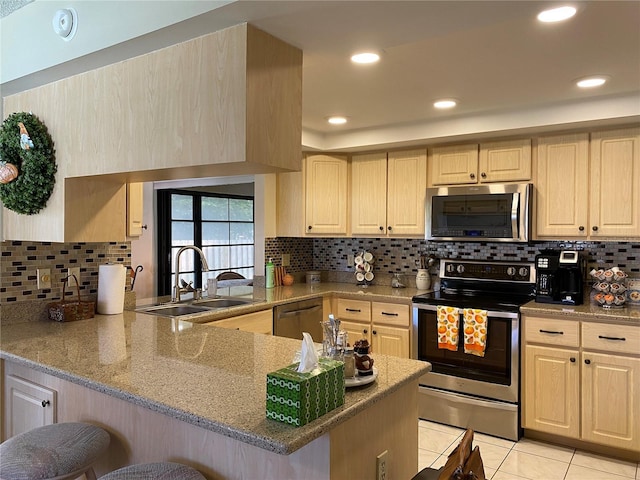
(29, 192)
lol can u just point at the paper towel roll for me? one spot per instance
(111, 281)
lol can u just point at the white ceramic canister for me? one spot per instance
(423, 279)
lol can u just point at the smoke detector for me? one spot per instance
(65, 23)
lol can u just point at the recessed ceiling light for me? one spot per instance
(556, 14)
(337, 120)
(590, 82)
(365, 57)
(445, 103)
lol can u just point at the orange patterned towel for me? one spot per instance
(475, 328)
(448, 323)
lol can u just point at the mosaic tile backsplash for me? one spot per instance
(20, 260)
(400, 255)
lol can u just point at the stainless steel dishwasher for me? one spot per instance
(291, 319)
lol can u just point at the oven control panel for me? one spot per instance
(495, 271)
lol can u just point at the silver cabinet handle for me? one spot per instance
(296, 312)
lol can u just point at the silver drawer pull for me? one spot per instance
(389, 314)
(551, 332)
(353, 310)
(620, 339)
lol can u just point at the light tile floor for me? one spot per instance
(526, 459)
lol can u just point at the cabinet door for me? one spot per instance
(610, 402)
(390, 341)
(369, 194)
(326, 194)
(356, 331)
(256, 322)
(562, 181)
(454, 165)
(28, 406)
(505, 161)
(134, 209)
(407, 186)
(614, 210)
(551, 391)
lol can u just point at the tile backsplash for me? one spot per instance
(20, 260)
(400, 255)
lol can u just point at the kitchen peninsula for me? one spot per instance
(172, 390)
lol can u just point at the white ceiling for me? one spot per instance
(509, 72)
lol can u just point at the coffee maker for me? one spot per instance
(560, 277)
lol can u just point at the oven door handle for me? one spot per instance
(490, 313)
(466, 399)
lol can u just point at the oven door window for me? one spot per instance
(494, 367)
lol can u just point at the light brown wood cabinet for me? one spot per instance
(256, 322)
(135, 204)
(581, 380)
(589, 189)
(385, 325)
(27, 405)
(504, 161)
(326, 194)
(388, 192)
(226, 103)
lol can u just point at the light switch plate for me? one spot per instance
(350, 260)
(286, 259)
(73, 271)
(44, 278)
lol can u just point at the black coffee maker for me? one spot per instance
(560, 277)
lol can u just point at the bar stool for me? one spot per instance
(54, 452)
(155, 471)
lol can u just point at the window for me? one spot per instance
(221, 225)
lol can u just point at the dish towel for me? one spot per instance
(448, 323)
(475, 327)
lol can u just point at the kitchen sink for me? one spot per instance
(172, 310)
(222, 302)
(192, 307)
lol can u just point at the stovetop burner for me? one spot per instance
(503, 286)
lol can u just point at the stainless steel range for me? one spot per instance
(463, 389)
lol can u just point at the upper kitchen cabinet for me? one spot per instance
(589, 189)
(387, 193)
(614, 207)
(313, 201)
(326, 194)
(226, 103)
(505, 161)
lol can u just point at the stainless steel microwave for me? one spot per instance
(489, 213)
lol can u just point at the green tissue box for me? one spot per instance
(298, 398)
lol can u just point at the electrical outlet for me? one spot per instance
(286, 259)
(351, 259)
(73, 271)
(44, 278)
(381, 466)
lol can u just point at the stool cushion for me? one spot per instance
(52, 451)
(155, 471)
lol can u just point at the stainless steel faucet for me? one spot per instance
(177, 290)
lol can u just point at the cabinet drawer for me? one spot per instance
(354, 310)
(611, 338)
(550, 331)
(390, 314)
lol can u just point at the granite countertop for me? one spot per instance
(588, 311)
(211, 377)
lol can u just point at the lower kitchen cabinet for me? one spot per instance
(27, 405)
(385, 325)
(587, 390)
(256, 322)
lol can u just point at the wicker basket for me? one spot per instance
(70, 310)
